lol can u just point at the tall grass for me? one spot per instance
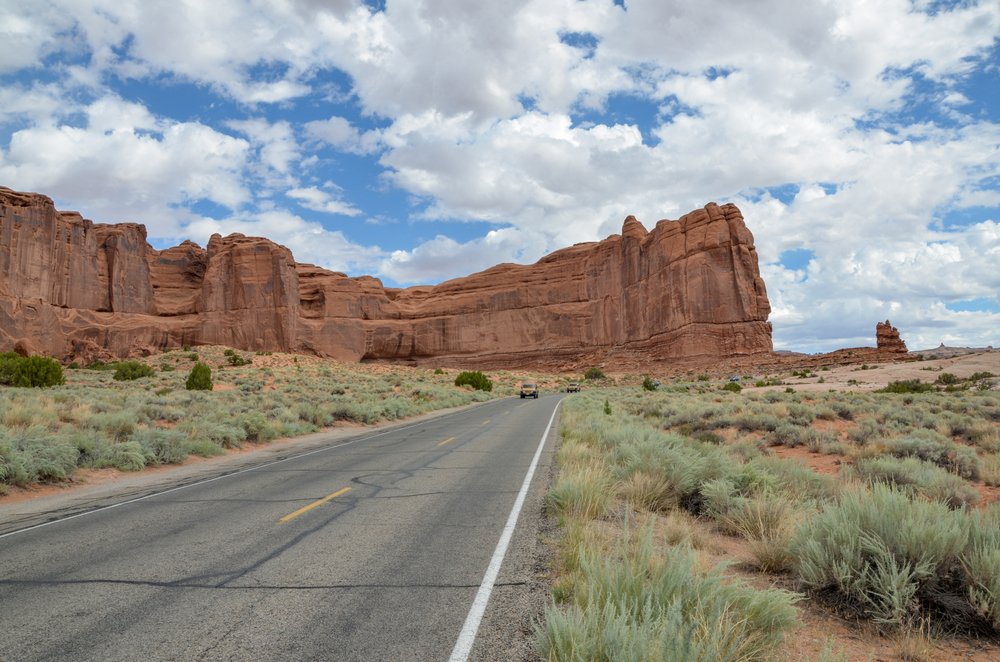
(647, 603)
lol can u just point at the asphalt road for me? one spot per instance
(372, 548)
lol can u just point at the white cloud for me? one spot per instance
(442, 258)
(128, 166)
(317, 200)
(339, 133)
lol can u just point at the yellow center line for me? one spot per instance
(449, 439)
(306, 509)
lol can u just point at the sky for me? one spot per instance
(420, 140)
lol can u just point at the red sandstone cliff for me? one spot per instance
(73, 289)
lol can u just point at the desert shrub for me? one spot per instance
(593, 373)
(257, 427)
(732, 387)
(200, 378)
(35, 454)
(907, 386)
(131, 370)
(916, 477)
(34, 372)
(475, 379)
(167, 367)
(946, 378)
(648, 384)
(933, 447)
(639, 604)
(886, 556)
(438, 371)
(235, 359)
(9, 361)
(161, 446)
(126, 456)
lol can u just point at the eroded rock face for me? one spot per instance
(686, 288)
(887, 338)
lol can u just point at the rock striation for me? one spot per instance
(78, 290)
(887, 338)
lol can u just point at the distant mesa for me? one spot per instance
(77, 290)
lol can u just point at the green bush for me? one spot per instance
(38, 372)
(235, 359)
(907, 386)
(648, 384)
(476, 380)
(9, 361)
(593, 373)
(200, 378)
(732, 387)
(132, 370)
(438, 371)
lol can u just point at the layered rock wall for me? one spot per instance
(73, 289)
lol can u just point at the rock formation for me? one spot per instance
(77, 290)
(887, 338)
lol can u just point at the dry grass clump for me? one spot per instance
(646, 603)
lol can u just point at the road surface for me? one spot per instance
(372, 548)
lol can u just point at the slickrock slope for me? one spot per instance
(78, 290)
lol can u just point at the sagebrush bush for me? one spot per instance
(916, 477)
(892, 558)
(937, 449)
(475, 379)
(200, 378)
(132, 370)
(593, 373)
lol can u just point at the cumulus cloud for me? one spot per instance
(442, 258)
(127, 165)
(317, 200)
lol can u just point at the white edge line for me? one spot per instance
(363, 437)
(463, 645)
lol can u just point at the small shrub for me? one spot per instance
(199, 379)
(193, 356)
(73, 366)
(732, 387)
(907, 386)
(235, 359)
(38, 372)
(647, 384)
(476, 380)
(132, 370)
(607, 407)
(9, 361)
(167, 367)
(593, 373)
(438, 371)
(946, 378)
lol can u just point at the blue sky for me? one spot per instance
(422, 140)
